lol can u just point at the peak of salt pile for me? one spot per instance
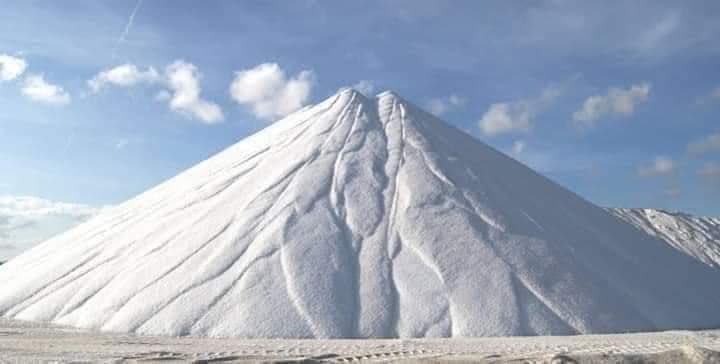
(359, 217)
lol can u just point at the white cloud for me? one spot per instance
(181, 78)
(657, 35)
(505, 118)
(705, 145)
(661, 166)
(11, 67)
(616, 101)
(26, 221)
(184, 81)
(518, 147)
(37, 89)
(365, 87)
(516, 116)
(125, 75)
(268, 91)
(441, 105)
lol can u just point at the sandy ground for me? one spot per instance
(23, 342)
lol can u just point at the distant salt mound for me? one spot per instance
(696, 236)
(360, 218)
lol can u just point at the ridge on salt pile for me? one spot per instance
(359, 217)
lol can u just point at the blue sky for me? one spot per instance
(616, 100)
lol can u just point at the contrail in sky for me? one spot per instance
(129, 24)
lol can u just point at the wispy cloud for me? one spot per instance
(440, 105)
(125, 142)
(518, 147)
(517, 116)
(366, 87)
(708, 144)
(37, 89)
(30, 207)
(710, 172)
(617, 101)
(269, 92)
(657, 34)
(126, 31)
(121, 143)
(661, 166)
(709, 98)
(26, 221)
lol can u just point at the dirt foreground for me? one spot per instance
(24, 342)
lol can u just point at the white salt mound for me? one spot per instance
(360, 217)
